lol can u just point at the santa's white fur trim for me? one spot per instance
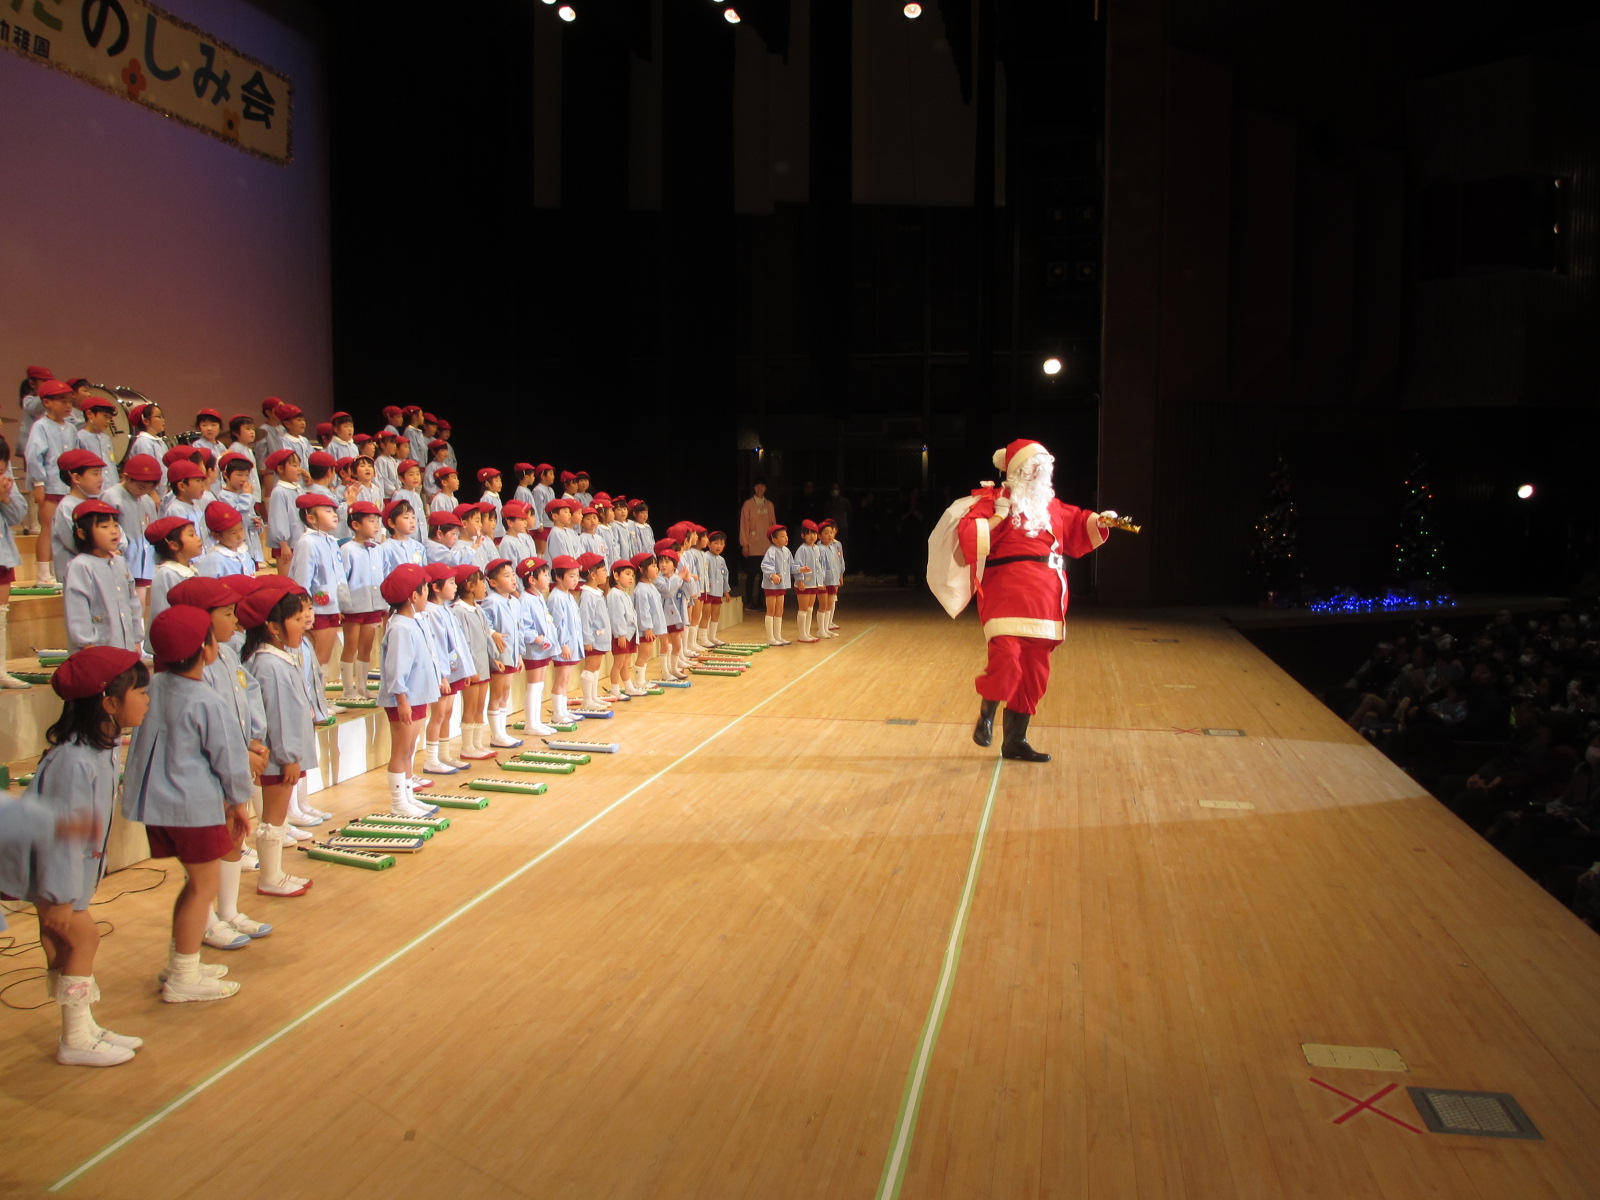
(1020, 451)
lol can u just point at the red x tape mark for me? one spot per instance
(1368, 1104)
(1196, 731)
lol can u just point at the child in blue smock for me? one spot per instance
(536, 637)
(362, 607)
(104, 691)
(652, 617)
(777, 576)
(409, 683)
(100, 603)
(470, 588)
(594, 615)
(454, 660)
(568, 635)
(624, 619)
(502, 610)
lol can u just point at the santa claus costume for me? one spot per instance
(1012, 542)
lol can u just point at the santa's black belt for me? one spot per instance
(1053, 560)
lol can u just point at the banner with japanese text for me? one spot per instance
(140, 52)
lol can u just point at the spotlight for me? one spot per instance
(912, 11)
(567, 13)
(1052, 366)
(1525, 492)
(731, 16)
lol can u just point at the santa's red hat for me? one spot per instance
(1017, 453)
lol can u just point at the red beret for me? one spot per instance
(641, 561)
(53, 387)
(564, 562)
(142, 468)
(163, 528)
(288, 412)
(240, 585)
(345, 463)
(635, 505)
(341, 416)
(313, 500)
(93, 507)
(177, 633)
(40, 373)
(515, 508)
(663, 544)
(440, 571)
(233, 456)
(590, 560)
(79, 460)
(390, 410)
(270, 404)
(543, 467)
(466, 571)
(467, 510)
(443, 520)
(90, 670)
(203, 592)
(494, 564)
(183, 469)
(321, 460)
(619, 502)
(137, 412)
(252, 610)
(523, 467)
(324, 429)
(411, 410)
(603, 498)
(364, 439)
(220, 516)
(438, 444)
(580, 474)
(207, 459)
(278, 457)
(387, 434)
(443, 423)
(529, 565)
(178, 454)
(389, 508)
(445, 469)
(208, 412)
(588, 510)
(775, 529)
(567, 477)
(245, 417)
(623, 564)
(363, 508)
(669, 554)
(487, 473)
(399, 584)
(407, 464)
(827, 523)
(90, 403)
(808, 526)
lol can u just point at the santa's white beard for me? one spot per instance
(1030, 502)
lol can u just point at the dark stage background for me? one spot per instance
(648, 243)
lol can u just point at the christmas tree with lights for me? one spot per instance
(1275, 556)
(1419, 557)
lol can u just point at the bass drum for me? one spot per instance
(123, 400)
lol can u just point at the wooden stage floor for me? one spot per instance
(803, 938)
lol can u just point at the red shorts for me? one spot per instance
(7, 575)
(674, 628)
(366, 618)
(396, 719)
(568, 662)
(271, 780)
(502, 669)
(832, 589)
(816, 591)
(141, 583)
(776, 591)
(327, 621)
(459, 686)
(535, 664)
(58, 497)
(711, 600)
(206, 843)
(623, 646)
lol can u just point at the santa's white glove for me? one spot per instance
(1106, 518)
(1002, 506)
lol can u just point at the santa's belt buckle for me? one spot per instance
(1055, 562)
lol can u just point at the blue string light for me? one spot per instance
(1350, 602)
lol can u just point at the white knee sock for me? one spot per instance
(228, 890)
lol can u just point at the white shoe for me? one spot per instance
(504, 741)
(121, 1040)
(629, 690)
(174, 992)
(316, 812)
(289, 885)
(251, 929)
(208, 971)
(537, 728)
(8, 680)
(418, 782)
(303, 818)
(102, 1054)
(248, 859)
(434, 766)
(405, 806)
(223, 936)
(298, 835)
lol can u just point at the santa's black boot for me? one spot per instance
(1015, 742)
(983, 731)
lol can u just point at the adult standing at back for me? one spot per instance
(757, 515)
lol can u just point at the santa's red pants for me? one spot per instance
(1018, 672)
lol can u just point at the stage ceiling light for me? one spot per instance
(912, 11)
(1052, 366)
(567, 13)
(1525, 492)
(731, 16)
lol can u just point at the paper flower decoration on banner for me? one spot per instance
(134, 79)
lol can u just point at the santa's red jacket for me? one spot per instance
(1022, 591)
